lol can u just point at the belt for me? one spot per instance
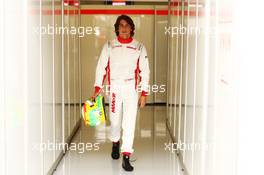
(128, 79)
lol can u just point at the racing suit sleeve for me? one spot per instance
(144, 72)
(101, 68)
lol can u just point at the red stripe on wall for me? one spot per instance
(185, 12)
(162, 12)
(118, 12)
(137, 12)
(115, 11)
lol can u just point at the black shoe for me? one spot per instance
(115, 150)
(126, 164)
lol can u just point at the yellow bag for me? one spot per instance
(93, 113)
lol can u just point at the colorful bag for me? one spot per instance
(93, 113)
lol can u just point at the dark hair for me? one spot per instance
(128, 20)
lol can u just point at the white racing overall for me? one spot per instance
(124, 64)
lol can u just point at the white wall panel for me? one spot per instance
(160, 55)
(71, 71)
(47, 85)
(13, 73)
(66, 75)
(34, 99)
(77, 72)
(58, 78)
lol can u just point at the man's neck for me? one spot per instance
(124, 41)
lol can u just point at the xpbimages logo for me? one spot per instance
(150, 88)
(181, 30)
(71, 30)
(181, 146)
(79, 147)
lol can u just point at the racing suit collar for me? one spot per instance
(124, 41)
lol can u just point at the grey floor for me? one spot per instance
(150, 156)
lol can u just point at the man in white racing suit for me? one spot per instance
(125, 63)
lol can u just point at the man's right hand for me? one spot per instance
(97, 91)
(94, 95)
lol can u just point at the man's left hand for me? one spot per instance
(142, 101)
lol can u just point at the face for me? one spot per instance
(124, 29)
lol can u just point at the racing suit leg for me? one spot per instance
(130, 104)
(115, 113)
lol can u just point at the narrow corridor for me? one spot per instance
(200, 63)
(151, 157)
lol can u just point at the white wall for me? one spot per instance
(37, 106)
(202, 98)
